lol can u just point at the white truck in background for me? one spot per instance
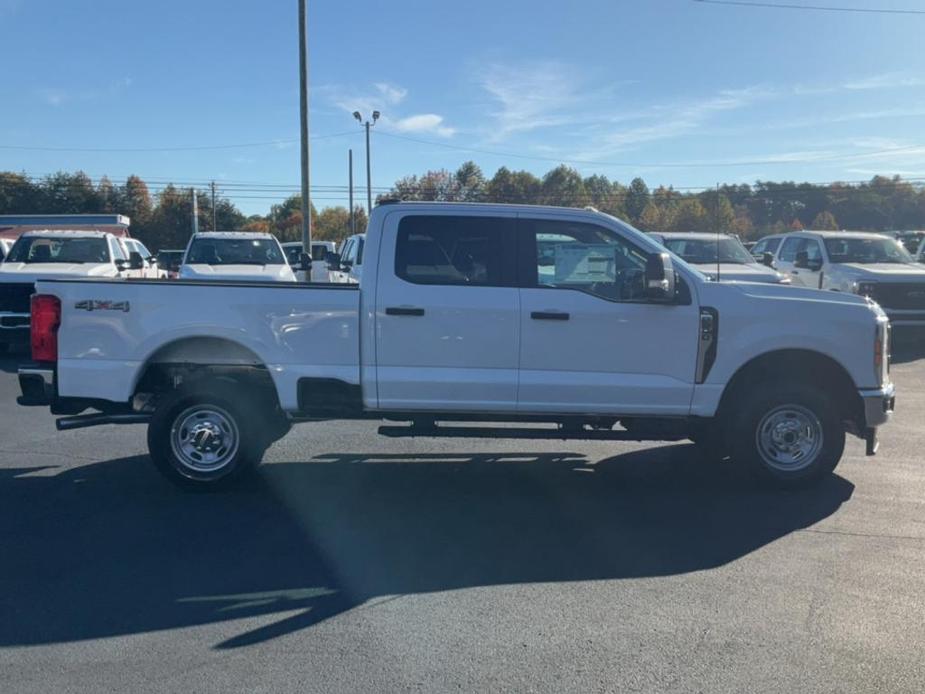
(238, 256)
(55, 254)
(719, 256)
(495, 314)
(853, 262)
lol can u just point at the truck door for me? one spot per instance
(590, 343)
(447, 317)
(803, 270)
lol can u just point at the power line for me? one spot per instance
(819, 8)
(193, 148)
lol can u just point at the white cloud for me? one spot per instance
(386, 97)
(391, 93)
(530, 96)
(51, 96)
(890, 80)
(55, 96)
(422, 123)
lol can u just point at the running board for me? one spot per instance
(561, 434)
(82, 421)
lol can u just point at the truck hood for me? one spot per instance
(238, 273)
(789, 293)
(30, 272)
(736, 272)
(887, 272)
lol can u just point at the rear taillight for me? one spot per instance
(46, 317)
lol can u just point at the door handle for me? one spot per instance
(404, 311)
(549, 315)
(794, 272)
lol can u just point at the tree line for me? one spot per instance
(163, 219)
(751, 211)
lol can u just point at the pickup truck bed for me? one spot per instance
(110, 329)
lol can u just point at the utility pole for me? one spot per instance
(369, 185)
(303, 112)
(214, 227)
(353, 221)
(195, 211)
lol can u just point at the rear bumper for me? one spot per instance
(37, 384)
(878, 405)
(14, 327)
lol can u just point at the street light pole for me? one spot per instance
(369, 184)
(303, 113)
(353, 223)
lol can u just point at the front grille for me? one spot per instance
(14, 297)
(900, 295)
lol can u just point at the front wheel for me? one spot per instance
(789, 434)
(205, 439)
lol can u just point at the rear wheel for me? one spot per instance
(789, 434)
(205, 438)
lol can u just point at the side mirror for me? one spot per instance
(121, 264)
(305, 262)
(333, 261)
(767, 259)
(801, 260)
(660, 278)
(135, 261)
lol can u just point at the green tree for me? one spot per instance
(135, 201)
(690, 216)
(18, 194)
(470, 182)
(651, 218)
(637, 197)
(720, 216)
(824, 221)
(564, 186)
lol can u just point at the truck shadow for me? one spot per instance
(109, 549)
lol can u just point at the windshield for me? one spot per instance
(724, 249)
(866, 250)
(235, 252)
(44, 249)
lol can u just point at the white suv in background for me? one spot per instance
(235, 256)
(856, 262)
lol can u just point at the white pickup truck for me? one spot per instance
(235, 256)
(869, 264)
(52, 254)
(471, 314)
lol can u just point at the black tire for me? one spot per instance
(788, 434)
(211, 420)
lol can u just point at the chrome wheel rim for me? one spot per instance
(204, 439)
(789, 438)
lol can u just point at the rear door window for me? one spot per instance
(466, 250)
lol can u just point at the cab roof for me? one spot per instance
(66, 233)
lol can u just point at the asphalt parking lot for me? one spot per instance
(359, 563)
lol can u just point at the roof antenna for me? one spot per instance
(716, 217)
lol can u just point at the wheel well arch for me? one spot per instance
(806, 366)
(187, 361)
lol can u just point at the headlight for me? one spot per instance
(865, 288)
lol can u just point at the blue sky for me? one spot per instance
(676, 91)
